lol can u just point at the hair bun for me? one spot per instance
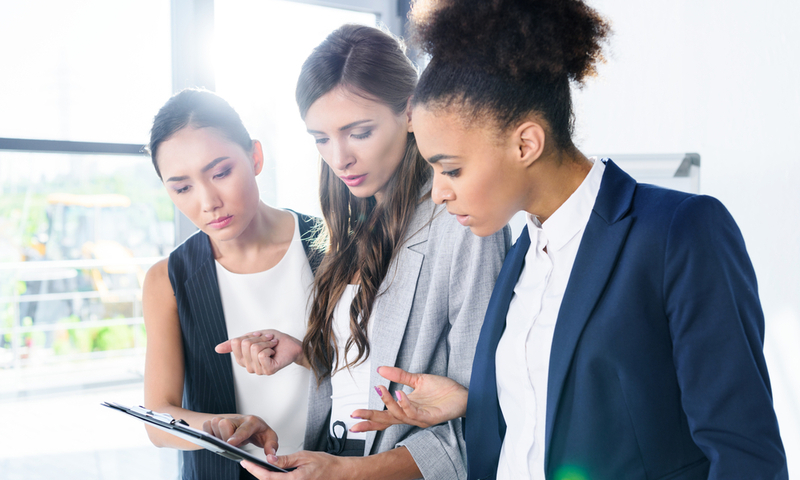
(515, 38)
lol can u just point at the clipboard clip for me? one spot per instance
(162, 417)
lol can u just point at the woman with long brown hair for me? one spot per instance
(401, 282)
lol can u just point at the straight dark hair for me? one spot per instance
(362, 234)
(197, 108)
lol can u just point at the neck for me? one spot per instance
(252, 238)
(553, 179)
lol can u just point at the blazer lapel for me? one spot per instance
(392, 311)
(209, 318)
(597, 256)
(485, 439)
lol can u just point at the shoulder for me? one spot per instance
(157, 285)
(445, 228)
(682, 213)
(448, 239)
(157, 275)
(187, 256)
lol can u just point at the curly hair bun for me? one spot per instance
(516, 38)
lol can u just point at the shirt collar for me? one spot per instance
(573, 215)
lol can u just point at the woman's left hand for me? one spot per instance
(307, 466)
(435, 400)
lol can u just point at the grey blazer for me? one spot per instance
(427, 318)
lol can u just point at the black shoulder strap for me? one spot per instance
(308, 233)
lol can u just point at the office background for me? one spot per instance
(80, 81)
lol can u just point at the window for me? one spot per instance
(83, 214)
(259, 49)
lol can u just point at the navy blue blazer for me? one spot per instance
(656, 369)
(208, 376)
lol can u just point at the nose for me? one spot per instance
(210, 199)
(441, 191)
(340, 158)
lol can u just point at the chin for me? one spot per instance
(480, 231)
(485, 230)
(361, 192)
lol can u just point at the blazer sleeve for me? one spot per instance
(475, 262)
(717, 329)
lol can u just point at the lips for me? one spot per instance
(353, 180)
(220, 222)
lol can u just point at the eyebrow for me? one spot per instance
(204, 169)
(440, 156)
(346, 127)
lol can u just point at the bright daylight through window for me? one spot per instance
(80, 227)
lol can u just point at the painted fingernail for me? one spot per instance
(357, 418)
(378, 389)
(397, 394)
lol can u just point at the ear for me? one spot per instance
(257, 156)
(408, 115)
(529, 138)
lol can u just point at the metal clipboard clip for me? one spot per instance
(165, 419)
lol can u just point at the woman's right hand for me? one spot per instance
(264, 352)
(435, 400)
(241, 429)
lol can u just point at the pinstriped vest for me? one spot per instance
(208, 378)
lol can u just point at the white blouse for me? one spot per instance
(522, 359)
(350, 386)
(278, 299)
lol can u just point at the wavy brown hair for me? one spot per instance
(362, 234)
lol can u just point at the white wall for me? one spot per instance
(720, 78)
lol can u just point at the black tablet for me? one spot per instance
(181, 429)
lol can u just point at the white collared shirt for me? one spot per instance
(523, 354)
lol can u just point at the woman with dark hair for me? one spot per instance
(624, 335)
(401, 283)
(246, 268)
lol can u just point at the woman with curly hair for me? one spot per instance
(401, 282)
(624, 335)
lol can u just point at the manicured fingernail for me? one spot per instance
(378, 389)
(357, 418)
(397, 394)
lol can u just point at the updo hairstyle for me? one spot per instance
(504, 60)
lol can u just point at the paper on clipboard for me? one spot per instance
(181, 429)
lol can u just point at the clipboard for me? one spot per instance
(180, 428)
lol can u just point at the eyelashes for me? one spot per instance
(362, 136)
(357, 136)
(218, 176)
(223, 173)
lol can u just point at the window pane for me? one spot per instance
(85, 70)
(260, 47)
(77, 234)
